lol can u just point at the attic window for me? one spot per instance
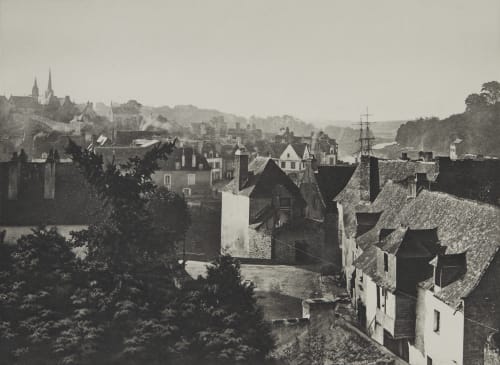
(287, 155)
(386, 262)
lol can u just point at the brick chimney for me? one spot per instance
(241, 167)
(14, 177)
(193, 159)
(369, 178)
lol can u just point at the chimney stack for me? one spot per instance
(193, 159)
(241, 167)
(369, 176)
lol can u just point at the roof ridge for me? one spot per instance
(456, 197)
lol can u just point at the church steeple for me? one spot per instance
(49, 86)
(34, 90)
(49, 93)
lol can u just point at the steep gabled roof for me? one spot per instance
(389, 170)
(417, 241)
(332, 179)
(462, 226)
(276, 149)
(263, 176)
(299, 148)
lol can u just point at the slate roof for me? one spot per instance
(462, 226)
(299, 148)
(121, 155)
(367, 261)
(418, 239)
(389, 170)
(263, 175)
(24, 102)
(332, 179)
(276, 149)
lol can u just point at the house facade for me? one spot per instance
(421, 265)
(263, 214)
(185, 172)
(51, 193)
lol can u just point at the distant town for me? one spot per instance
(373, 249)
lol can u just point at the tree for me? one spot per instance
(128, 300)
(475, 102)
(491, 92)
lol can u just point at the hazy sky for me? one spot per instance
(313, 59)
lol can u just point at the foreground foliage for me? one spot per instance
(128, 301)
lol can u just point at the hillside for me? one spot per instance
(479, 129)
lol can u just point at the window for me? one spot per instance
(283, 164)
(191, 179)
(429, 360)
(167, 180)
(292, 165)
(437, 320)
(217, 165)
(288, 155)
(186, 191)
(386, 262)
(378, 297)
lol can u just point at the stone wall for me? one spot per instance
(492, 350)
(260, 243)
(482, 310)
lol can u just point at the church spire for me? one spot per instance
(49, 86)
(34, 90)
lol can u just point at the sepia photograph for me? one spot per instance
(235, 182)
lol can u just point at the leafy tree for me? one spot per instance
(128, 301)
(491, 92)
(474, 102)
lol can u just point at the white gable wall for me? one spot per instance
(235, 218)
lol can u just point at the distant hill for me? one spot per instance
(478, 127)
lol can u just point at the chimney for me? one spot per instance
(14, 177)
(369, 178)
(421, 181)
(193, 159)
(241, 167)
(49, 182)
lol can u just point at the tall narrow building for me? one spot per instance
(34, 91)
(49, 93)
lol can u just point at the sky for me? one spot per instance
(314, 59)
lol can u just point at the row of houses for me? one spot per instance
(421, 264)
(266, 216)
(417, 241)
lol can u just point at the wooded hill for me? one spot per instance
(478, 126)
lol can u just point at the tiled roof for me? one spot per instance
(418, 241)
(299, 148)
(263, 175)
(367, 261)
(332, 179)
(462, 226)
(276, 149)
(389, 170)
(24, 102)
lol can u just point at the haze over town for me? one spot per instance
(321, 62)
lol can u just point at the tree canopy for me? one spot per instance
(128, 299)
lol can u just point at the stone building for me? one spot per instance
(263, 214)
(49, 193)
(421, 265)
(319, 186)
